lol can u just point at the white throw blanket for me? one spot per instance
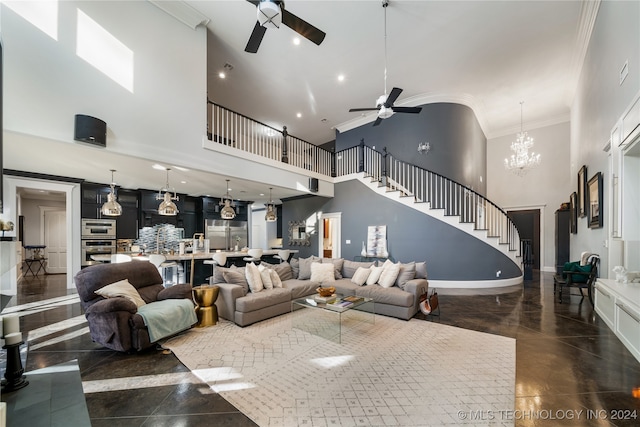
(167, 317)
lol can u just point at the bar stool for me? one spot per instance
(218, 259)
(254, 256)
(283, 255)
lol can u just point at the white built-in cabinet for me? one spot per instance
(618, 304)
(624, 187)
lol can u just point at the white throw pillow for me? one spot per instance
(374, 275)
(275, 278)
(122, 289)
(265, 276)
(389, 275)
(322, 273)
(253, 277)
(361, 275)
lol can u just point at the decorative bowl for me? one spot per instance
(326, 292)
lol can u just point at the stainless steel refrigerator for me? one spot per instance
(224, 234)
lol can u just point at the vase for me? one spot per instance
(364, 250)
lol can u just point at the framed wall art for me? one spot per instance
(573, 206)
(594, 192)
(582, 191)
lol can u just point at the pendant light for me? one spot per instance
(522, 161)
(167, 206)
(227, 204)
(272, 212)
(111, 207)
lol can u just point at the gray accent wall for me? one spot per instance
(411, 235)
(458, 144)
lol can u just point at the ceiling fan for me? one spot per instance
(384, 104)
(271, 14)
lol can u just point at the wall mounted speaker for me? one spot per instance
(91, 130)
(313, 185)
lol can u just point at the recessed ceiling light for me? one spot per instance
(296, 41)
(340, 77)
(298, 115)
(222, 75)
(262, 194)
(183, 182)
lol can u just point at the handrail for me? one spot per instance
(236, 130)
(427, 186)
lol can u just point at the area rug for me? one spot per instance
(390, 373)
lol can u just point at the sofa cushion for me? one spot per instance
(349, 267)
(345, 287)
(389, 274)
(265, 276)
(407, 272)
(275, 279)
(234, 277)
(361, 275)
(305, 267)
(267, 298)
(123, 289)
(421, 270)
(295, 267)
(253, 277)
(391, 296)
(300, 288)
(374, 275)
(322, 273)
(337, 264)
(283, 269)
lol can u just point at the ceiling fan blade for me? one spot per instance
(302, 27)
(256, 38)
(377, 122)
(395, 93)
(413, 110)
(363, 109)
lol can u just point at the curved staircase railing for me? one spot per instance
(432, 188)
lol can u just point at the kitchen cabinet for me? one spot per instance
(127, 223)
(618, 305)
(93, 197)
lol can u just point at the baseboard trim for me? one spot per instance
(476, 284)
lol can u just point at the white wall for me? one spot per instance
(544, 187)
(47, 83)
(31, 210)
(600, 100)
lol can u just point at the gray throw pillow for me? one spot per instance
(295, 267)
(421, 270)
(349, 267)
(305, 267)
(234, 277)
(337, 264)
(284, 270)
(407, 272)
(217, 275)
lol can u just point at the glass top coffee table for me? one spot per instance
(327, 319)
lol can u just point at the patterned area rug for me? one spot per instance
(390, 373)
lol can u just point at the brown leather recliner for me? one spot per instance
(114, 322)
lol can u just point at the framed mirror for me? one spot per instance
(298, 234)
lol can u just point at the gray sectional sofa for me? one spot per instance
(238, 304)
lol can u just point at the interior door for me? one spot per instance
(55, 239)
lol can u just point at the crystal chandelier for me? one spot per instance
(520, 162)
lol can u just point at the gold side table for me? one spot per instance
(205, 297)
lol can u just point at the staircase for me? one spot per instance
(431, 194)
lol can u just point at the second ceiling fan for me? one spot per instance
(384, 104)
(271, 13)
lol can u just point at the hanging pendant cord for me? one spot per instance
(385, 3)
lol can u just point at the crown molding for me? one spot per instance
(513, 130)
(182, 12)
(588, 15)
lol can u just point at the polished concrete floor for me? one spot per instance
(570, 368)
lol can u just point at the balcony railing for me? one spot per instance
(241, 132)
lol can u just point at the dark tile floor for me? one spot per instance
(570, 368)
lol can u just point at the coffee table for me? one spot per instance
(327, 320)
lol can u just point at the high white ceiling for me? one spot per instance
(490, 55)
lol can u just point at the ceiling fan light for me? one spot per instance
(385, 113)
(269, 15)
